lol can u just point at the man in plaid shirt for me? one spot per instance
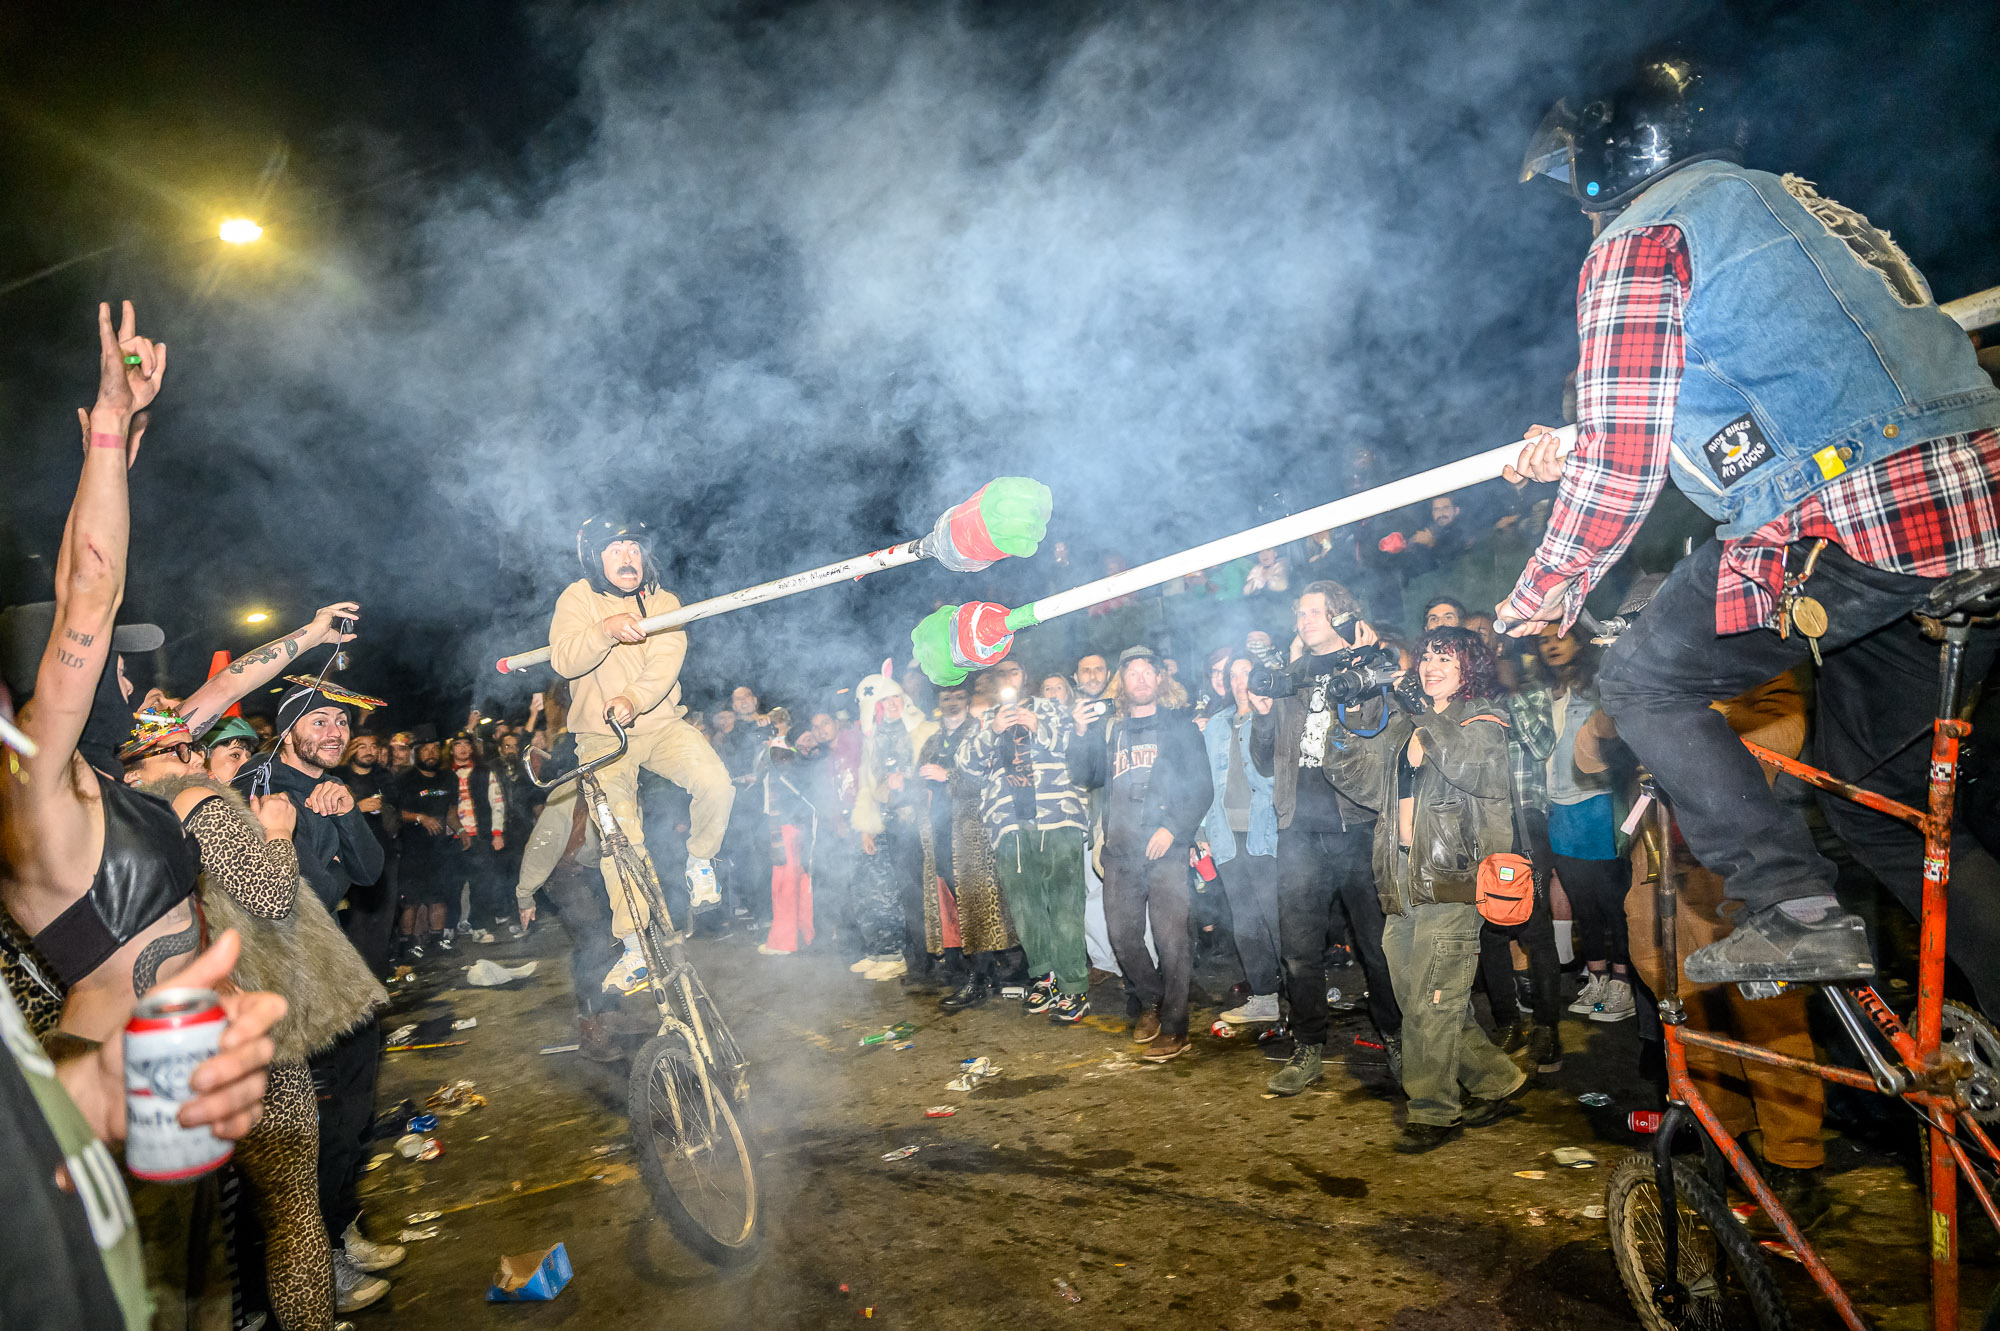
(1783, 362)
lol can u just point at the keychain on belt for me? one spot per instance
(1797, 610)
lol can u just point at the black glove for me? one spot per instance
(1409, 695)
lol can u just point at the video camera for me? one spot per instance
(1357, 672)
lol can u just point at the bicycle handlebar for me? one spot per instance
(582, 769)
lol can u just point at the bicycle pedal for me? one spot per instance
(1757, 989)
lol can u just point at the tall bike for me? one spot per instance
(1685, 1259)
(691, 1076)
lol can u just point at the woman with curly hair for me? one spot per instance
(1434, 768)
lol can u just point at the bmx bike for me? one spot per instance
(1684, 1257)
(691, 1077)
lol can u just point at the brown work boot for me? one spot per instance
(1166, 1047)
(595, 1042)
(1147, 1030)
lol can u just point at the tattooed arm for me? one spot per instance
(252, 670)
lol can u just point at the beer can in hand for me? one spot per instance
(171, 1033)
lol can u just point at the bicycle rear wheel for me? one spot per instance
(1728, 1282)
(692, 1153)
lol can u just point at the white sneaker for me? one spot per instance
(766, 950)
(702, 891)
(1259, 1007)
(1617, 1003)
(862, 966)
(353, 1288)
(1586, 999)
(887, 970)
(369, 1256)
(629, 975)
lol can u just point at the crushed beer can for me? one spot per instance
(424, 1123)
(1221, 1029)
(1645, 1122)
(1595, 1099)
(940, 1111)
(432, 1149)
(170, 1034)
(901, 1153)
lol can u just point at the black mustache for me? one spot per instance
(627, 568)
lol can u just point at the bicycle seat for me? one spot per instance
(1975, 591)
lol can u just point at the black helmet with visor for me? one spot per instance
(1614, 147)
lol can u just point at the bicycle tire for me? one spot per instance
(1729, 1283)
(671, 1159)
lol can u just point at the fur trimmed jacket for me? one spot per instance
(291, 944)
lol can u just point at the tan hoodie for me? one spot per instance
(600, 668)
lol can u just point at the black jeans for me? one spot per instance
(1321, 874)
(577, 892)
(1537, 937)
(344, 1080)
(1136, 888)
(1875, 693)
(1596, 891)
(370, 918)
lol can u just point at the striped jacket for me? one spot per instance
(1058, 802)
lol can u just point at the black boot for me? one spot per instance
(976, 990)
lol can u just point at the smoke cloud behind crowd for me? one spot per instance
(785, 281)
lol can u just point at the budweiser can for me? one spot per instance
(171, 1033)
(1644, 1121)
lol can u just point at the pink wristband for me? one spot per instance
(99, 439)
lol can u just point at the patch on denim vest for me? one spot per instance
(1737, 449)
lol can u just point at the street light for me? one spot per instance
(256, 617)
(240, 231)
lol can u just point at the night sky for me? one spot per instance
(787, 280)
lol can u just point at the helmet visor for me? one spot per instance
(1552, 150)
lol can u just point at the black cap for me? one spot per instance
(24, 635)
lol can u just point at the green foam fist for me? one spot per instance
(932, 641)
(1015, 510)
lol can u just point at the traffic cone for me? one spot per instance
(216, 665)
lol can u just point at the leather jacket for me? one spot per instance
(1463, 804)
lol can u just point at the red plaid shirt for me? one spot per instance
(1928, 511)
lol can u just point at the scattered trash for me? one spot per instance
(1012, 991)
(412, 1235)
(1535, 1216)
(1531, 1173)
(424, 1123)
(560, 1048)
(404, 974)
(378, 1161)
(940, 1111)
(1221, 1029)
(402, 1034)
(533, 1277)
(901, 1153)
(869, 1311)
(1360, 1043)
(971, 1072)
(405, 1048)
(1593, 1213)
(408, 1145)
(843, 1289)
(1573, 1157)
(454, 1094)
(1595, 1099)
(1063, 1287)
(1779, 1248)
(901, 1045)
(902, 1030)
(609, 1148)
(433, 1148)
(465, 1023)
(487, 973)
(1644, 1121)
(424, 1217)
(1745, 1211)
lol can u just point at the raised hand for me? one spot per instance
(322, 627)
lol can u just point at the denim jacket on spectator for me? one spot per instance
(1058, 802)
(1262, 838)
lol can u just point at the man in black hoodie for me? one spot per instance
(1155, 770)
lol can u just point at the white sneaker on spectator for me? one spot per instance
(1616, 1003)
(887, 969)
(702, 892)
(353, 1288)
(629, 975)
(862, 966)
(1586, 998)
(1259, 1007)
(369, 1256)
(482, 935)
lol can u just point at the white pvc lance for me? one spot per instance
(1976, 310)
(1367, 504)
(909, 552)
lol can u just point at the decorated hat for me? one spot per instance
(154, 732)
(310, 695)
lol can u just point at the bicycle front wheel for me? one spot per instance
(1729, 1285)
(692, 1153)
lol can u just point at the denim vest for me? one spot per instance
(1813, 345)
(1262, 838)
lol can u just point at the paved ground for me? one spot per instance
(1171, 1196)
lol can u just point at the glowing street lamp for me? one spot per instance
(256, 617)
(240, 231)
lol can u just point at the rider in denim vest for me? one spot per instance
(1784, 363)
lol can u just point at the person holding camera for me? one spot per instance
(1323, 835)
(1151, 762)
(1435, 769)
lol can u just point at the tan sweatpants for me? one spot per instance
(678, 753)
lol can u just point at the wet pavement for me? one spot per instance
(1175, 1195)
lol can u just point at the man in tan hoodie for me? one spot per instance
(615, 669)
